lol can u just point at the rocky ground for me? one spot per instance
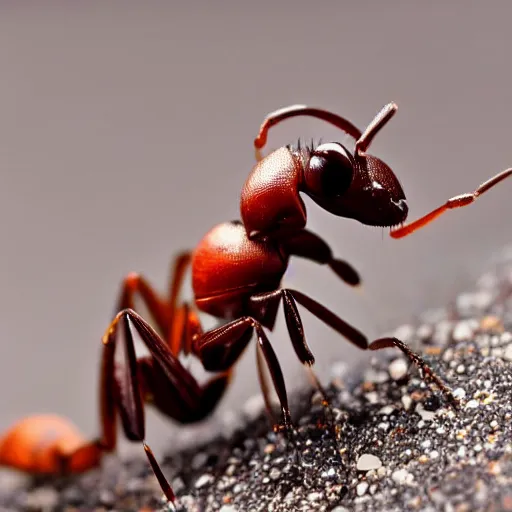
(399, 444)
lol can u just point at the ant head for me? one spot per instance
(359, 186)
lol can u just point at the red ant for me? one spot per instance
(237, 269)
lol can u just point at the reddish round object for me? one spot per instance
(227, 267)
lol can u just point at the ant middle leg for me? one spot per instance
(220, 348)
(265, 306)
(292, 297)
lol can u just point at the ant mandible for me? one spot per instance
(237, 269)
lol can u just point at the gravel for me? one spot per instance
(396, 444)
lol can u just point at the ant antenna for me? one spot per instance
(364, 141)
(302, 110)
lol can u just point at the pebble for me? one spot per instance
(463, 331)
(204, 480)
(401, 476)
(44, 498)
(368, 461)
(425, 415)
(398, 369)
(507, 353)
(274, 474)
(459, 393)
(362, 488)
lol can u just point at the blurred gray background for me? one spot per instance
(126, 133)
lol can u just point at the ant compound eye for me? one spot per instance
(330, 170)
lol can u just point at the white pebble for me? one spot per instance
(204, 480)
(368, 461)
(361, 488)
(459, 393)
(507, 354)
(472, 404)
(398, 369)
(314, 496)
(425, 415)
(406, 401)
(463, 331)
(401, 476)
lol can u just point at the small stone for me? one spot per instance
(108, 498)
(368, 461)
(362, 488)
(425, 415)
(400, 476)
(372, 397)
(43, 498)
(434, 454)
(507, 354)
(463, 331)
(472, 404)
(228, 508)
(406, 401)
(386, 410)
(204, 480)
(314, 496)
(274, 474)
(459, 393)
(398, 369)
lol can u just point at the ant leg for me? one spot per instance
(261, 302)
(220, 348)
(309, 245)
(180, 264)
(428, 372)
(129, 397)
(134, 284)
(454, 202)
(160, 309)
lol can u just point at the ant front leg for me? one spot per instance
(220, 348)
(454, 202)
(307, 244)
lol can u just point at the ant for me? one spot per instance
(236, 271)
